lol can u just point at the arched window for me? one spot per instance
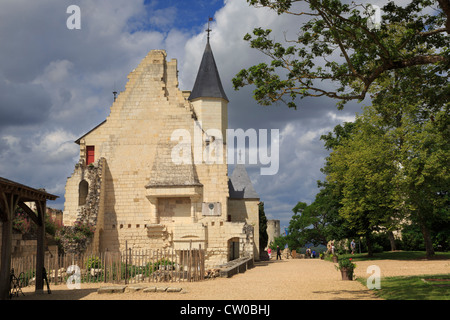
(83, 188)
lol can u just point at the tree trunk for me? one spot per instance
(426, 235)
(427, 240)
(369, 245)
(392, 241)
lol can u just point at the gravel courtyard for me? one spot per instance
(293, 279)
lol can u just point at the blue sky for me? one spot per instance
(56, 84)
(184, 15)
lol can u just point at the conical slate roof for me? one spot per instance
(240, 185)
(208, 84)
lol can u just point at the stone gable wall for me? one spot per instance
(135, 142)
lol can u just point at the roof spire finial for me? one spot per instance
(115, 92)
(208, 30)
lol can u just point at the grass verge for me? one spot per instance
(433, 287)
(423, 287)
(395, 255)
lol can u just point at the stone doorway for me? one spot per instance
(233, 249)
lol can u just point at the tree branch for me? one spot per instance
(428, 33)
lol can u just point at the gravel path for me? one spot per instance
(293, 279)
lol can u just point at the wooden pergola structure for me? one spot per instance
(13, 194)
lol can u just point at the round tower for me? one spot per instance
(273, 230)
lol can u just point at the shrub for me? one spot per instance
(20, 223)
(156, 265)
(75, 239)
(51, 226)
(93, 263)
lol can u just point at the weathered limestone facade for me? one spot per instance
(133, 190)
(273, 230)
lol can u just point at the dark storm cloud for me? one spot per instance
(56, 83)
(22, 104)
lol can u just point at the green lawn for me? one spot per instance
(414, 287)
(408, 287)
(395, 255)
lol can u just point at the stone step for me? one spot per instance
(135, 288)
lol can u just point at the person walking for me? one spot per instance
(353, 246)
(269, 251)
(278, 252)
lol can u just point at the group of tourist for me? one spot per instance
(269, 251)
(312, 253)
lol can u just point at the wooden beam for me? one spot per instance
(29, 212)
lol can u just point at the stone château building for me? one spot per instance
(131, 183)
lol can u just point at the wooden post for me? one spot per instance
(158, 265)
(190, 260)
(202, 272)
(126, 262)
(6, 255)
(172, 266)
(153, 265)
(105, 266)
(8, 203)
(40, 252)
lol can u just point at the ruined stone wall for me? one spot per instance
(88, 211)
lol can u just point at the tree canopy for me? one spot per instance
(393, 166)
(337, 54)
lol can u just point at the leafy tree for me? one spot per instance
(365, 166)
(425, 170)
(336, 53)
(263, 236)
(296, 230)
(281, 241)
(391, 170)
(318, 222)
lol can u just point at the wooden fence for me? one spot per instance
(129, 266)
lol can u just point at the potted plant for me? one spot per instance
(346, 266)
(334, 257)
